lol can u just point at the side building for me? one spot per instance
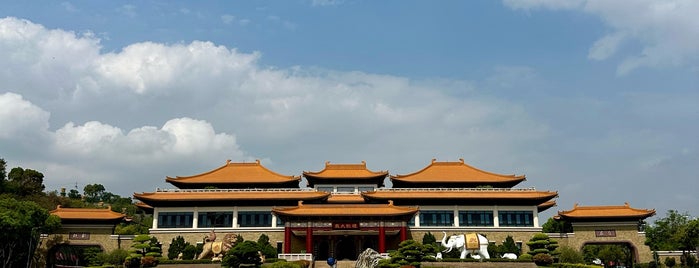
(345, 208)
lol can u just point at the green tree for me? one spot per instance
(74, 194)
(570, 255)
(25, 182)
(3, 174)
(429, 238)
(243, 253)
(541, 243)
(607, 252)
(176, 247)
(556, 226)
(666, 233)
(267, 249)
(21, 223)
(509, 246)
(93, 192)
(410, 252)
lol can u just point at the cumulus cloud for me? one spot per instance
(21, 118)
(667, 31)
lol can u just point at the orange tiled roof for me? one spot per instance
(346, 210)
(342, 171)
(546, 205)
(100, 214)
(346, 198)
(455, 172)
(236, 173)
(606, 212)
(213, 195)
(485, 193)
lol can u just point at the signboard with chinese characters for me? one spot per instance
(605, 233)
(345, 225)
(79, 236)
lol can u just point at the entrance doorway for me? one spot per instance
(611, 254)
(346, 248)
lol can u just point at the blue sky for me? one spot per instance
(598, 100)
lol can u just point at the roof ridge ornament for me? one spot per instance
(461, 160)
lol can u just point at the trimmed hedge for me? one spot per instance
(573, 265)
(167, 261)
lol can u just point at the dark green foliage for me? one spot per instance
(243, 253)
(74, 194)
(669, 233)
(267, 249)
(410, 252)
(176, 246)
(3, 174)
(25, 182)
(670, 262)
(557, 226)
(189, 252)
(607, 253)
(21, 223)
(91, 256)
(509, 246)
(525, 257)
(540, 243)
(428, 238)
(542, 259)
(93, 192)
(284, 264)
(570, 255)
(115, 257)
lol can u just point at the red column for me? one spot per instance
(309, 238)
(287, 239)
(403, 233)
(382, 239)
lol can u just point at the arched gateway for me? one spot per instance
(600, 225)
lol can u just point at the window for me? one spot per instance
(516, 218)
(328, 189)
(345, 189)
(476, 218)
(215, 219)
(366, 188)
(255, 219)
(436, 218)
(175, 219)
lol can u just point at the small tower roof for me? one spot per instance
(457, 172)
(87, 214)
(232, 174)
(586, 213)
(345, 173)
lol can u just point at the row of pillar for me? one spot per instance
(309, 238)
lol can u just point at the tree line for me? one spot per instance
(25, 213)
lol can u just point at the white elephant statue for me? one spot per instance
(477, 245)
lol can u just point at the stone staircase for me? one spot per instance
(340, 264)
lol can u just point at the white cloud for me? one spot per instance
(668, 31)
(20, 118)
(227, 18)
(127, 10)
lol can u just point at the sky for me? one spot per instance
(597, 100)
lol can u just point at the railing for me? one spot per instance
(234, 190)
(530, 189)
(295, 256)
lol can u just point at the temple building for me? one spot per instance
(345, 208)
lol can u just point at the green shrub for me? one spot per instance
(570, 255)
(670, 262)
(284, 264)
(149, 261)
(542, 259)
(525, 257)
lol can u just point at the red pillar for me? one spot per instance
(403, 233)
(309, 238)
(382, 239)
(287, 239)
